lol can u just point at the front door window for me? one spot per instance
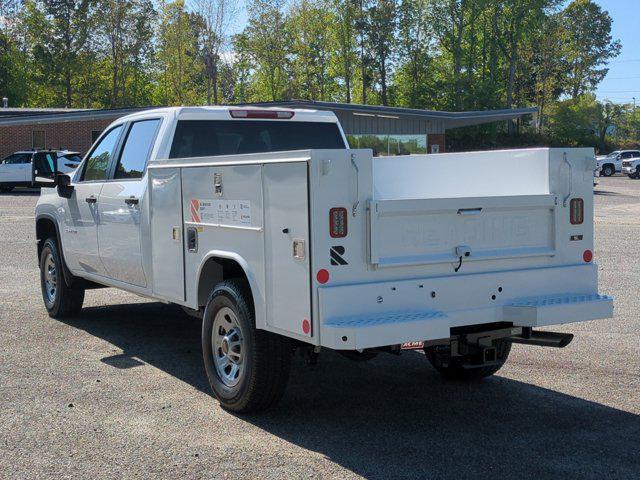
(98, 161)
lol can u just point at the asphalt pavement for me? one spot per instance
(120, 391)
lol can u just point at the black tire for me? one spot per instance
(5, 189)
(454, 369)
(263, 369)
(608, 170)
(66, 300)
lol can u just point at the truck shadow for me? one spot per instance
(394, 417)
(23, 193)
(606, 193)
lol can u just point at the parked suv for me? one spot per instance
(612, 163)
(631, 167)
(17, 169)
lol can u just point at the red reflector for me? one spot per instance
(322, 276)
(576, 211)
(277, 114)
(587, 256)
(306, 326)
(338, 222)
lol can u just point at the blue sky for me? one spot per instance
(623, 80)
(622, 83)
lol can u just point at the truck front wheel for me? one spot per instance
(247, 368)
(60, 300)
(467, 367)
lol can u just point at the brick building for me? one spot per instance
(388, 130)
(71, 129)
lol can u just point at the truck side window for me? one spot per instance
(98, 161)
(136, 149)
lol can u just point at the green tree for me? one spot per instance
(415, 39)
(380, 37)
(126, 28)
(180, 65)
(311, 49)
(588, 45)
(213, 19)
(266, 39)
(58, 33)
(344, 27)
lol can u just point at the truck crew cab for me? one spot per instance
(265, 224)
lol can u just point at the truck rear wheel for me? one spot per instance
(60, 300)
(467, 367)
(247, 368)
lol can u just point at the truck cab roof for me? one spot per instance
(229, 112)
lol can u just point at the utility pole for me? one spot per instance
(635, 124)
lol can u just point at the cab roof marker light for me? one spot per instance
(274, 114)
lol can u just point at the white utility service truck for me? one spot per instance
(263, 222)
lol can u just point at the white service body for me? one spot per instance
(501, 218)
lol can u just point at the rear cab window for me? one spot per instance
(204, 138)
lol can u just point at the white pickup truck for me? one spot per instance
(266, 225)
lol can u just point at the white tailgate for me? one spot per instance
(427, 231)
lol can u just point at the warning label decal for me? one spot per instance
(221, 212)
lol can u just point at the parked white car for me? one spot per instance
(17, 170)
(631, 167)
(612, 163)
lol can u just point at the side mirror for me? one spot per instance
(65, 189)
(44, 169)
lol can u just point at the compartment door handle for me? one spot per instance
(469, 211)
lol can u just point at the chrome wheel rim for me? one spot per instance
(50, 278)
(228, 348)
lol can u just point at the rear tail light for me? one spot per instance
(338, 222)
(587, 256)
(576, 211)
(277, 114)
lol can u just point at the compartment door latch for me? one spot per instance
(462, 251)
(192, 239)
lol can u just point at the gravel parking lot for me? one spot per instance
(121, 391)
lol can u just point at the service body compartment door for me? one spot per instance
(166, 233)
(286, 213)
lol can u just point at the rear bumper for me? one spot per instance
(372, 315)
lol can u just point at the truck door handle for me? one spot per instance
(91, 199)
(131, 201)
